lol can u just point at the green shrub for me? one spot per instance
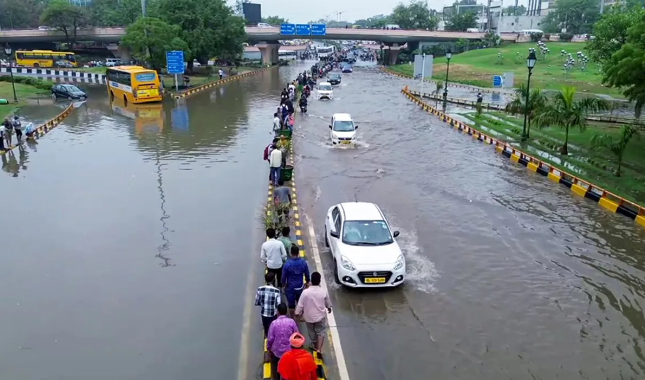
(34, 82)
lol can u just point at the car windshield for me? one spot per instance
(368, 232)
(344, 126)
(334, 76)
(71, 88)
(324, 87)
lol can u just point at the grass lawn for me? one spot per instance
(22, 92)
(594, 166)
(477, 67)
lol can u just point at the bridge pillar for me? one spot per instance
(394, 54)
(123, 53)
(269, 52)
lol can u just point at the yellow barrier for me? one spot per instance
(206, 86)
(606, 199)
(44, 128)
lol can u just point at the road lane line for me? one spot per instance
(331, 320)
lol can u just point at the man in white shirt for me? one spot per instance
(221, 73)
(275, 163)
(276, 122)
(273, 255)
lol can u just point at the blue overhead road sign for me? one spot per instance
(288, 29)
(175, 62)
(303, 29)
(318, 29)
(498, 81)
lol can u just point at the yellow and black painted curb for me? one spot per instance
(497, 107)
(206, 86)
(606, 199)
(45, 127)
(450, 84)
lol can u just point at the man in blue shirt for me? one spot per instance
(293, 272)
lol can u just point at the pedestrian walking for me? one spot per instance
(313, 306)
(268, 298)
(297, 363)
(279, 334)
(273, 255)
(17, 126)
(275, 163)
(295, 277)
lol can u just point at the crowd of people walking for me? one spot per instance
(290, 293)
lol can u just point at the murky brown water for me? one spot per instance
(131, 232)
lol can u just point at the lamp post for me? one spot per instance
(531, 60)
(7, 50)
(445, 87)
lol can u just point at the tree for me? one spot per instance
(624, 69)
(21, 13)
(459, 22)
(512, 11)
(610, 33)
(416, 15)
(238, 8)
(576, 16)
(536, 104)
(149, 35)
(208, 27)
(275, 20)
(566, 112)
(618, 147)
(116, 12)
(64, 16)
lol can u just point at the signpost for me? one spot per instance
(303, 29)
(175, 64)
(318, 29)
(288, 29)
(498, 81)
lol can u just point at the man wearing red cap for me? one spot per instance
(297, 364)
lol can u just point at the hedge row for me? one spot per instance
(34, 82)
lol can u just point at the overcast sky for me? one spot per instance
(303, 11)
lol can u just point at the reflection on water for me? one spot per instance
(147, 117)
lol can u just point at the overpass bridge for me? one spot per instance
(265, 38)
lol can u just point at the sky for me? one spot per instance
(303, 11)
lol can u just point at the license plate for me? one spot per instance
(345, 142)
(148, 93)
(375, 280)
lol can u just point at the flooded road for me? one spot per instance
(132, 234)
(510, 276)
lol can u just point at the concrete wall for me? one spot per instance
(509, 24)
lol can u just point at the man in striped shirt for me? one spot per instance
(268, 298)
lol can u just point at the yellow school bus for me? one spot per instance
(133, 84)
(44, 58)
(147, 117)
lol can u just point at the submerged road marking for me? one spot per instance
(331, 320)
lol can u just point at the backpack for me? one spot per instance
(266, 152)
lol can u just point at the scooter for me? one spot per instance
(303, 108)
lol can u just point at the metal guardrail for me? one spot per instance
(606, 199)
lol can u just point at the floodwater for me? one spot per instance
(132, 235)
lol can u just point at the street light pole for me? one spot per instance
(445, 87)
(531, 60)
(7, 50)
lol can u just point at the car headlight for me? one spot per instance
(344, 261)
(399, 262)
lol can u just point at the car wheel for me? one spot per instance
(69, 98)
(54, 97)
(336, 278)
(326, 240)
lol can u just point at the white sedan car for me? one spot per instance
(363, 246)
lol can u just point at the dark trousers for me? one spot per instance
(266, 322)
(18, 134)
(278, 275)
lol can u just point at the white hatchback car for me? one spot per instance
(363, 247)
(342, 129)
(325, 90)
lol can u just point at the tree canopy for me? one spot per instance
(575, 16)
(114, 12)
(610, 33)
(150, 38)
(64, 16)
(459, 22)
(275, 20)
(415, 15)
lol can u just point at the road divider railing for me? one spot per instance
(502, 108)
(450, 84)
(604, 198)
(215, 83)
(45, 127)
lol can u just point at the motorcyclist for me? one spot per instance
(303, 104)
(307, 91)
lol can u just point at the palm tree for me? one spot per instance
(566, 112)
(617, 147)
(537, 101)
